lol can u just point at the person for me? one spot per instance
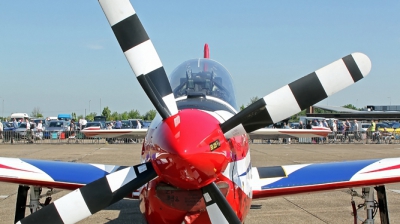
(1, 130)
(347, 128)
(139, 125)
(15, 123)
(386, 136)
(39, 130)
(72, 127)
(285, 126)
(309, 125)
(334, 130)
(28, 131)
(118, 124)
(356, 131)
(301, 125)
(371, 130)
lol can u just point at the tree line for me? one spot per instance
(110, 116)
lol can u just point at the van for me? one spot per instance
(19, 116)
(65, 117)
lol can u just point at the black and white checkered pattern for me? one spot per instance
(218, 208)
(141, 54)
(87, 200)
(299, 95)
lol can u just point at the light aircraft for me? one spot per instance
(196, 165)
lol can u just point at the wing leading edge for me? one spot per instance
(294, 179)
(54, 174)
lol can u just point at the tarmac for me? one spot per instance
(321, 207)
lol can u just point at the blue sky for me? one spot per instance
(62, 57)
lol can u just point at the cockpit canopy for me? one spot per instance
(201, 78)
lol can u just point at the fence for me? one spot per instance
(67, 137)
(349, 137)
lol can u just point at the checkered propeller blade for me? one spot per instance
(218, 208)
(299, 95)
(141, 54)
(99, 194)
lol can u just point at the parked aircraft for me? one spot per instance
(196, 157)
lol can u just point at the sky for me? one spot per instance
(62, 57)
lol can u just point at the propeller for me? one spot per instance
(141, 55)
(218, 207)
(298, 95)
(93, 197)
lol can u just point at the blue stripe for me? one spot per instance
(68, 172)
(321, 174)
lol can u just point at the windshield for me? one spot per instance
(92, 124)
(202, 78)
(56, 124)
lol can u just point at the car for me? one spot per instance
(394, 125)
(146, 124)
(127, 124)
(56, 129)
(294, 125)
(21, 130)
(364, 126)
(134, 123)
(8, 130)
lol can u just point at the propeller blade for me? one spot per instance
(141, 54)
(298, 95)
(218, 208)
(85, 201)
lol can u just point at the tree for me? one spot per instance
(73, 116)
(134, 114)
(124, 116)
(350, 106)
(36, 112)
(253, 99)
(106, 113)
(150, 115)
(90, 117)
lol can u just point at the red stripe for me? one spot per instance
(12, 168)
(385, 169)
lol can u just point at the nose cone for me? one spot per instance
(190, 149)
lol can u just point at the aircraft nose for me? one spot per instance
(190, 150)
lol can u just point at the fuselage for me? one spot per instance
(189, 151)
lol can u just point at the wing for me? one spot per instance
(269, 133)
(52, 174)
(116, 133)
(293, 179)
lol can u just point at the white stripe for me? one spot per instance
(363, 63)
(120, 178)
(215, 214)
(143, 58)
(171, 103)
(334, 77)
(72, 207)
(281, 104)
(116, 10)
(236, 131)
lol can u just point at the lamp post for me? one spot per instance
(390, 101)
(100, 106)
(2, 108)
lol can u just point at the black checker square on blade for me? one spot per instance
(252, 118)
(48, 214)
(353, 68)
(98, 196)
(158, 78)
(308, 90)
(130, 32)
